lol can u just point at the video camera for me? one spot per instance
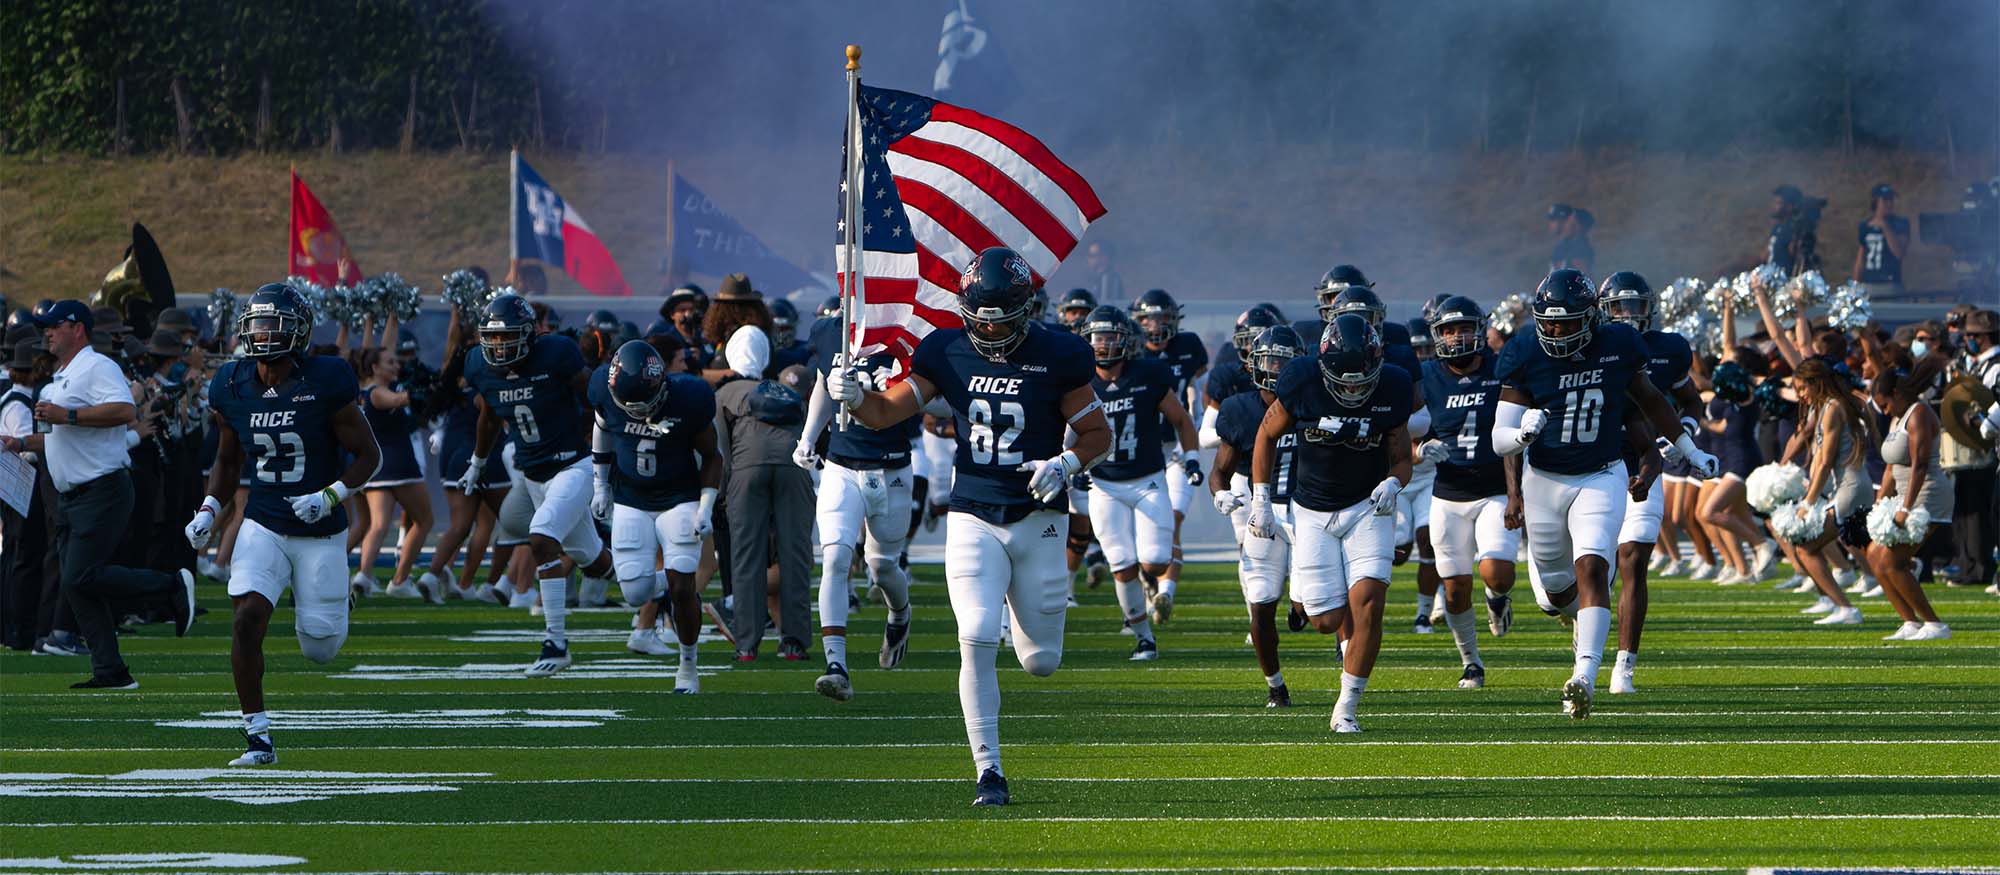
(1973, 233)
(1804, 222)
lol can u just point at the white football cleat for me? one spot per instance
(1903, 632)
(1344, 723)
(258, 752)
(646, 642)
(1576, 698)
(687, 681)
(1823, 606)
(835, 684)
(1931, 632)
(1163, 607)
(1621, 681)
(553, 659)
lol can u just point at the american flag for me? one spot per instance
(940, 183)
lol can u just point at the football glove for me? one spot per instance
(1433, 451)
(319, 505)
(468, 482)
(1051, 476)
(1533, 420)
(1192, 466)
(1227, 502)
(1263, 517)
(203, 524)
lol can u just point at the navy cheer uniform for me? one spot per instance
(394, 434)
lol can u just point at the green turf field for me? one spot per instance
(1756, 740)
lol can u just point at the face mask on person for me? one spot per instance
(1919, 349)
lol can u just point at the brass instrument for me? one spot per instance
(139, 286)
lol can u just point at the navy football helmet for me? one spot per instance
(1249, 325)
(1430, 306)
(994, 296)
(1341, 278)
(1449, 340)
(1627, 297)
(1112, 336)
(1158, 315)
(637, 378)
(784, 323)
(506, 329)
(1420, 336)
(828, 307)
(602, 320)
(1270, 351)
(1566, 314)
(1075, 309)
(1275, 311)
(275, 322)
(1359, 300)
(1038, 305)
(1350, 358)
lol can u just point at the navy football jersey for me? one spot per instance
(1462, 407)
(1401, 355)
(1132, 407)
(1237, 424)
(551, 429)
(657, 467)
(1668, 360)
(286, 432)
(1228, 378)
(1007, 413)
(1341, 452)
(1583, 394)
(1184, 356)
(858, 447)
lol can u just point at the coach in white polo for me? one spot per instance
(87, 410)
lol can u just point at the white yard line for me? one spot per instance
(892, 821)
(1320, 744)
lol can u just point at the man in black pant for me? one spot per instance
(87, 407)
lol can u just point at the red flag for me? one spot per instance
(318, 252)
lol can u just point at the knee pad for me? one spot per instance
(1041, 663)
(321, 650)
(640, 589)
(544, 569)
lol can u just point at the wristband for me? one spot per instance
(1685, 444)
(476, 463)
(211, 505)
(1070, 462)
(72, 416)
(338, 491)
(1690, 426)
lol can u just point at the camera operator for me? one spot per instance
(1884, 238)
(1794, 240)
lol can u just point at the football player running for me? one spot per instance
(1266, 560)
(1129, 506)
(650, 429)
(1352, 416)
(1159, 319)
(1014, 388)
(539, 387)
(865, 487)
(289, 415)
(1565, 388)
(1627, 297)
(1468, 511)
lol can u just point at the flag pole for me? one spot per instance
(673, 200)
(853, 293)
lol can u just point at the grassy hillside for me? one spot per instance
(1261, 223)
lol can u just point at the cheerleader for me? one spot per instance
(1838, 434)
(471, 515)
(1911, 450)
(1732, 423)
(400, 481)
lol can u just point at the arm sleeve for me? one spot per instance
(1420, 422)
(1210, 439)
(819, 411)
(1507, 428)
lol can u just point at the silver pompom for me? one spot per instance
(1508, 314)
(464, 291)
(314, 294)
(391, 295)
(1703, 330)
(1847, 307)
(222, 310)
(1678, 299)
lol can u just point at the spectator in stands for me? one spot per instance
(1104, 279)
(1884, 238)
(1571, 228)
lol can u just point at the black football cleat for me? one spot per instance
(1280, 697)
(992, 789)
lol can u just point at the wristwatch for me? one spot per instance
(72, 416)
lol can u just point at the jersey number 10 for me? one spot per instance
(1582, 408)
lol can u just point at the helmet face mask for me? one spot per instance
(1252, 323)
(1458, 329)
(637, 380)
(275, 323)
(1111, 336)
(1158, 316)
(1633, 310)
(996, 295)
(506, 330)
(784, 323)
(1337, 282)
(1566, 313)
(1075, 310)
(1359, 300)
(1350, 359)
(1270, 351)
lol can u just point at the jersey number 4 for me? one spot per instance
(986, 450)
(284, 457)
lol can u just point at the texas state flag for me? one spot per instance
(548, 230)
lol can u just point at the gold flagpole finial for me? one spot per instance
(853, 58)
